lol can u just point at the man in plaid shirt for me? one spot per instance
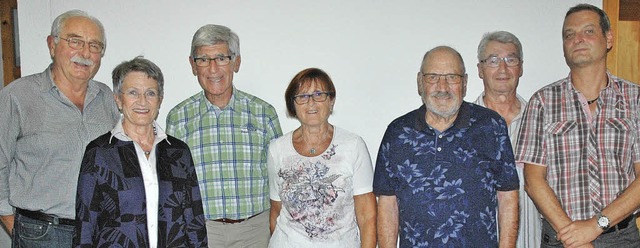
(580, 142)
(228, 132)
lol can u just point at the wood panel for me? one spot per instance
(10, 69)
(629, 50)
(629, 10)
(612, 7)
(623, 58)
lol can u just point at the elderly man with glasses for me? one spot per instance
(446, 170)
(47, 120)
(500, 68)
(228, 131)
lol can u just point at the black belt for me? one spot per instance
(45, 217)
(621, 225)
(232, 221)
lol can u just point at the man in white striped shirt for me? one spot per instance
(500, 67)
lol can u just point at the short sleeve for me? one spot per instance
(272, 170)
(506, 172)
(530, 140)
(363, 169)
(382, 178)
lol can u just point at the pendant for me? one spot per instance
(312, 151)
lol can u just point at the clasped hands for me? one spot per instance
(579, 233)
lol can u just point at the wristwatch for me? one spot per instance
(603, 221)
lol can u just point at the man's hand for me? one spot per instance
(579, 233)
(7, 221)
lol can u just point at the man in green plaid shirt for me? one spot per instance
(228, 131)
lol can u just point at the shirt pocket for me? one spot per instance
(560, 128)
(619, 140)
(250, 150)
(562, 142)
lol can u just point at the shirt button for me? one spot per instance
(439, 148)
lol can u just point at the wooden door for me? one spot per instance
(623, 59)
(11, 68)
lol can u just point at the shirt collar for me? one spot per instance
(118, 133)
(461, 121)
(48, 84)
(523, 103)
(206, 105)
(612, 85)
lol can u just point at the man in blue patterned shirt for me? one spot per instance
(445, 171)
(228, 132)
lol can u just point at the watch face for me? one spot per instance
(603, 222)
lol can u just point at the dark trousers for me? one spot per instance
(628, 237)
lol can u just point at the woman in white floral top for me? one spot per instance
(320, 176)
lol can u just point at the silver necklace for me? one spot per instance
(155, 132)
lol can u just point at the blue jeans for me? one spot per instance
(30, 233)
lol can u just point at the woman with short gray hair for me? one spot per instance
(137, 185)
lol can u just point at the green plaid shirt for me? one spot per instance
(229, 151)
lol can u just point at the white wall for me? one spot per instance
(371, 48)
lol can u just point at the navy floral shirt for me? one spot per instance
(446, 183)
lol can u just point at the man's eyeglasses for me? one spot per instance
(494, 61)
(78, 44)
(316, 96)
(434, 78)
(205, 61)
(134, 94)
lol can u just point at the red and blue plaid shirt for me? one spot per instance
(589, 156)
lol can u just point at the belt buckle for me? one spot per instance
(55, 220)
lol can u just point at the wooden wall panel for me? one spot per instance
(10, 70)
(629, 50)
(612, 7)
(623, 59)
(630, 10)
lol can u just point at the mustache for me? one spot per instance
(441, 94)
(83, 61)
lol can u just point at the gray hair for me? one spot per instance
(138, 64)
(424, 58)
(502, 37)
(56, 26)
(212, 34)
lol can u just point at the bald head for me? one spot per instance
(442, 50)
